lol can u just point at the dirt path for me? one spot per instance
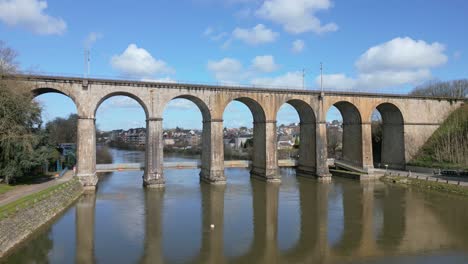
(25, 190)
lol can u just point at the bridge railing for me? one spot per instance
(381, 91)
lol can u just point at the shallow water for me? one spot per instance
(299, 221)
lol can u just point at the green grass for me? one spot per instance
(5, 188)
(429, 163)
(30, 200)
(427, 185)
(448, 146)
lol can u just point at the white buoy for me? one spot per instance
(212, 226)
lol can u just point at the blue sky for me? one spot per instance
(381, 46)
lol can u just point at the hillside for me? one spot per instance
(448, 146)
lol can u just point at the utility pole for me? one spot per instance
(321, 77)
(86, 62)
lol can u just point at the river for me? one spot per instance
(248, 221)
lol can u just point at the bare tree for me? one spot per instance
(455, 88)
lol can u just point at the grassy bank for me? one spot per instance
(31, 199)
(448, 147)
(426, 185)
(5, 188)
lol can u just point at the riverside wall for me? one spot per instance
(19, 225)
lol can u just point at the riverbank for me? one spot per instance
(19, 219)
(428, 183)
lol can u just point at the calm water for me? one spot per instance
(299, 221)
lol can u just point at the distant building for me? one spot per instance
(240, 141)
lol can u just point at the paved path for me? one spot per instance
(462, 181)
(24, 190)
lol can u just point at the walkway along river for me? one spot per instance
(249, 221)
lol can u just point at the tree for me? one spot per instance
(21, 144)
(334, 141)
(455, 88)
(61, 130)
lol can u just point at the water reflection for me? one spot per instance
(85, 209)
(376, 223)
(154, 207)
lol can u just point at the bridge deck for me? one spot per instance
(183, 165)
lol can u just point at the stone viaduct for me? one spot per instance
(407, 123)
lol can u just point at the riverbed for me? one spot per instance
(249, 221)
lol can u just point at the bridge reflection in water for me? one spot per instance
(377, 222)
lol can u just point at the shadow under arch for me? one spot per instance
(352, 133)
(307, 147)
(392, 152)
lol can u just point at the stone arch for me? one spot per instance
(37, 91)
(352, 133)
(208, 146)
(139, 100)
(307, 147)
(255, 107)
(393, 139)
(204, 109)
(91, 120)
(264, 161)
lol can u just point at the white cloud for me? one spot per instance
(137, 62)
(118, 102)
(163, 80)
(214, 35)
(256, 35)
(336, 81)
(400, 61)
(30, 14)
(402, 53)
(227, 70)
(288, 80)
(243, 13)
(298, 46)
(92, 38)
(297, 16)
(264, 63)
(181, 104)
(231, 71)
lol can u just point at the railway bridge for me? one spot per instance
(408, 121)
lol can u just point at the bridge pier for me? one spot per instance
(367, 159)
(153, 175)
(264, 157)
(322, 152)
(212, 167)
(313, 157)
(86, 152)
(306, 166)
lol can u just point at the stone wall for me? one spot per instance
(19, 225)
